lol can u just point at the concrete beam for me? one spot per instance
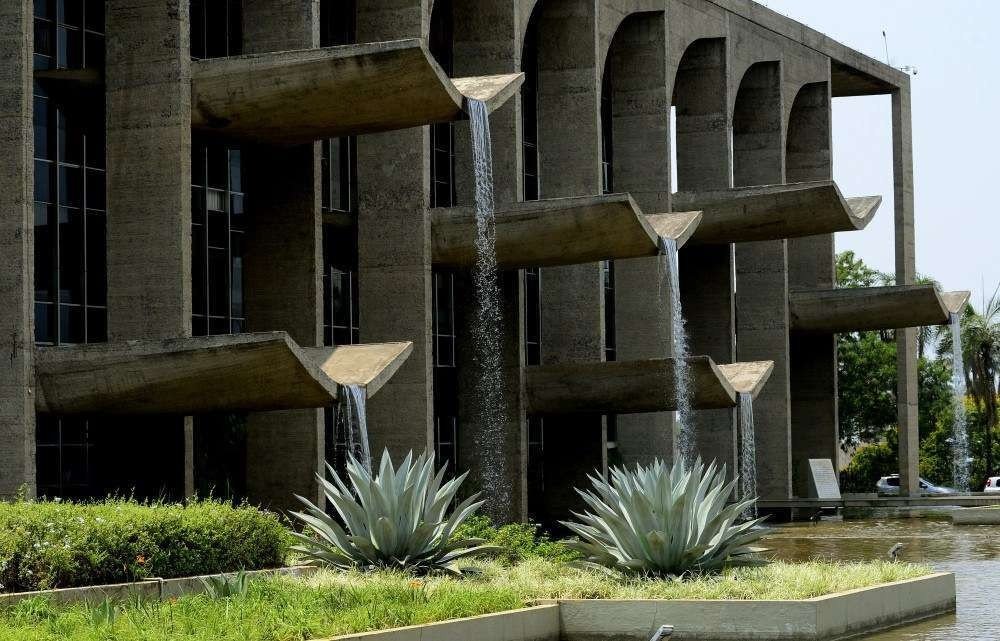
(300, 96)
(231, 373)
(773, 212)
(870, 308)
(559, 231)
(625, 387)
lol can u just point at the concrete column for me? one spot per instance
(148, 85)
(573, 298)
(640, 108)
(394, 251)
(487, 41)
(812, 265)
(283, 267)
(17, 325)
(906, 339)
(762, 275)
(700, 96)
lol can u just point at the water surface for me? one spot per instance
(972, 552)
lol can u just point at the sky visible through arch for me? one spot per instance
(956, 105)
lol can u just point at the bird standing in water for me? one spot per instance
(894, 552)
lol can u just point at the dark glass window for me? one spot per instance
(62, 455)
(216, 28)
(69, 34)
(337, 22)
(218, 229)
(341, 311)
(608, 271)
(70, 218)
(529, 112)
(442, 145)
(533, 316)
(607, 136)
(445, 372)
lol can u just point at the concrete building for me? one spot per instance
(214, 214)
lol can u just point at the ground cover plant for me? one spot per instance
(59, 544)
(342, 602)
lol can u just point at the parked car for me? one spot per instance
(889, 485)
(992, 485)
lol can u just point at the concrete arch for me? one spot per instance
(808, 137)
(758, 135)
(635, 108)
(700, 97)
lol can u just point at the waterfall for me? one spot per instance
(960, 435)
(686, 447)
(356, 424)
(487, 330)
(748, 454)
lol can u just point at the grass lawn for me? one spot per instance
(332, 603)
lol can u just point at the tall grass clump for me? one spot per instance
(47, 545)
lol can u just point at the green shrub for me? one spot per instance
(55, 545)
(869, 463)
(517, 541)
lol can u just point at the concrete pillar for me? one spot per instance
(17, 380)
(700, 97)
(762, 275)
(283, 267)
(811, 265)
(640, 108)
(573, 298)
(394, 251)
(148, 85)
(906, 339)
(488, 42)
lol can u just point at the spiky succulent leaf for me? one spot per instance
(397, 518)
(666, 521)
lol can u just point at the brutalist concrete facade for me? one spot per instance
(752, 92)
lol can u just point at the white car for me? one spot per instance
(992, 485)
(889, 486)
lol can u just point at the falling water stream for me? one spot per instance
(748, 453)
(960, 434)
(356, 424)
(686, 448)
(487, 328)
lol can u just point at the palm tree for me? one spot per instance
(981, 352)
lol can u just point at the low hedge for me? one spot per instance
(48, 545)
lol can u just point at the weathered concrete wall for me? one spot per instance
(148, 85)
(489, 42)
(394, 250)
(283, 269)
(762, 273)
(17, 326)
(640, 107)
(811, 264)
(703, 131)
(573, 299)
(905, 243)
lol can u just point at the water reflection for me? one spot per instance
(972, 552)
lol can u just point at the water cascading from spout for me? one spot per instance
(748, 453)
(686, 448)
(960, 433)
(353, 399)
(487, 330)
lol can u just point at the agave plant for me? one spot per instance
(398, 518)
(665, 521)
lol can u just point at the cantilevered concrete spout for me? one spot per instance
(870, 308)
(243, 372)
(300, 96)
(637, 386)
(775, 211)
(559, 231)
